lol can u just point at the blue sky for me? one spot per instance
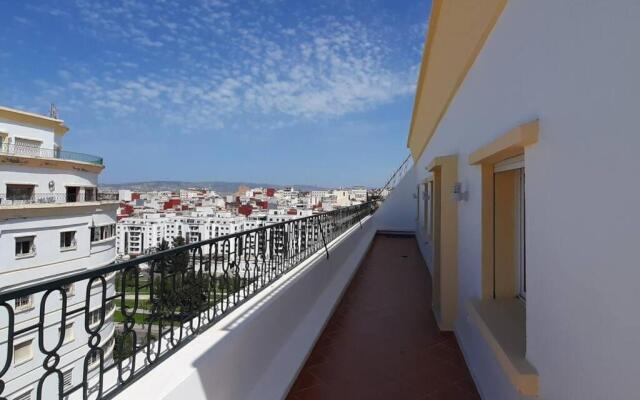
(285, 92)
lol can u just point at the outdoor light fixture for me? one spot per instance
(459, 194)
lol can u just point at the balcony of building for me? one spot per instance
(382, 340)
(325, 306)
(35, 151)
(21, 196)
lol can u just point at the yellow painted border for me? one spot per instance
(42, 162)
(525, 382)
(457, 33)
(24, 117)
(445, 241)
(508, 145)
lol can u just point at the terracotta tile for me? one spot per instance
(305, 380)
(382, 341)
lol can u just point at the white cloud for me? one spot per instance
(208, 63)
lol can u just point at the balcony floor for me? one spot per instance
(382, 341)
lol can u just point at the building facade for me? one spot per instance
(522, 193)
(53, 223)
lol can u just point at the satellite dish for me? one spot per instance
(52, 186)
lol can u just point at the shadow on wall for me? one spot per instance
(399, 211)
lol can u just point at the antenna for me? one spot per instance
(53, 111)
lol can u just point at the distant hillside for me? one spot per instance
(220, 187)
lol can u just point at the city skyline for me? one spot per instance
(218, 91)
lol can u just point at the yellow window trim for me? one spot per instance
(42, 162)
(508, 145)
(24, 117)
(457, 32)
(445, 241)
(501, 325)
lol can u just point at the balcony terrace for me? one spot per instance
(238, 317)
(55, 154)
(382, 341)
(28, 199)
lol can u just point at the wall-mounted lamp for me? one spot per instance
(459, 194)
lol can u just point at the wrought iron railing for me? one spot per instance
(157, 303)
(22, 197)
(36, 151)
(395, 178)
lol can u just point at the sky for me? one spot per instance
(275, 91)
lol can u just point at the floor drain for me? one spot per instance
(404, 256)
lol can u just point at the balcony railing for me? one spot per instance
(162, 300)
(39, 152)
(25, 197)
(396, 177)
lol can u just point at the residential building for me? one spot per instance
(53, 224)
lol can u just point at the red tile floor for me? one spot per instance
(382, 341)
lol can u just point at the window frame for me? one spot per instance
(511, 169)
(68, 337)
(23, 308)
(32, 247)
(28, 342)
(73, 243)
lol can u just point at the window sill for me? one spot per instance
(23, 310)
(23, 256)
(68, 248)
(110, 239)
(502, 325)
(16, 364)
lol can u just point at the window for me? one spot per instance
(20, 192)
(67, 379)
(24, 303)
(68, 240)
(103, 232)
(25, 246)
(69, 334)
(94, 317)
(90, 194)
(444, 240)
(509, 229)
(22, 352)
(72, 194)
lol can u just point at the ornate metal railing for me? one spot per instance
(130, 316)
(396, 177)
(36, 151)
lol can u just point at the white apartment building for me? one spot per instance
(52, 224)
(284, 215)
(144, 234)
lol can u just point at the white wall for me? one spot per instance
(399, 211)
(18, 174)
(49, 260)
(24, 377)
(256, 351)
(25, 131)
(573, 65)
